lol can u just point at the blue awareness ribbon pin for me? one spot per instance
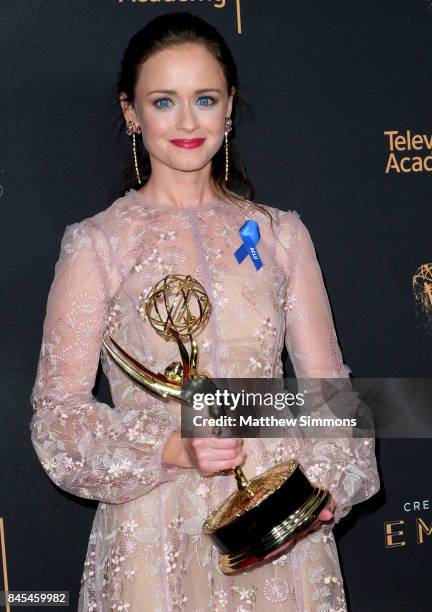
(250, 234)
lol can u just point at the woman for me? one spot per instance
(177, 88)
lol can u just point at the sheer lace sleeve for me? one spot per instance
(345, 465)
(87, 447)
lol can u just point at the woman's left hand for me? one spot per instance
(325, 516)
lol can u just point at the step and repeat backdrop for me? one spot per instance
(336, 125)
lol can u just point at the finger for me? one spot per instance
(214, 460)
(325, 515)
(217, 455)
(215, 443)
(216, 466)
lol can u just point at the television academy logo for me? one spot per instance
(408, 153)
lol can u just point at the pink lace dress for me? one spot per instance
(146, 551)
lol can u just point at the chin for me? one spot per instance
(194, 168)
(193, 164)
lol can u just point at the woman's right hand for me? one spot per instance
(211, 455)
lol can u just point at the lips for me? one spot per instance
(189, 143)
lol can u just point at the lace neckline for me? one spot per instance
(152, 205)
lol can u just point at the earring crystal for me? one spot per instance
(132, 131)
(228, 127)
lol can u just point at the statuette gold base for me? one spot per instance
(245, 529)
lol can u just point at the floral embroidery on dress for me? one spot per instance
(220, 298)
(266, 335)
(277, 590)
(290, 302)
(247, 596)
(114, 315)
(146, 543)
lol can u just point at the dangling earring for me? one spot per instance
(228, 124)
(131, 132)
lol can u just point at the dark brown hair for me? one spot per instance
(179, 28)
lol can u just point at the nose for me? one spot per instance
(187, 119)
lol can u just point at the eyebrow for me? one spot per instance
(172, 92)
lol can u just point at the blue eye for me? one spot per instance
(204, 98)
(166, 103)
(163, 101)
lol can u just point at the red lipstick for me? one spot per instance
(188, 143)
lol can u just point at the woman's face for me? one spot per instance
(180, 98)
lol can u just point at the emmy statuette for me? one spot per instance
(264, 512)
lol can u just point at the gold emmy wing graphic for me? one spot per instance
(422, 288)
(4, 586)
(264, 512)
